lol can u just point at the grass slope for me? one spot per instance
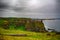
(30, 35)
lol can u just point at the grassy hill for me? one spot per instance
(5, 35)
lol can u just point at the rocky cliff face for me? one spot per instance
(27, 23)
(35, 25)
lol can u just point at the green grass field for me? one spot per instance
(30, 35)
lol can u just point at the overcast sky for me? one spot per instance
(32, 9)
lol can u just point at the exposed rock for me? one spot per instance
(30, 24)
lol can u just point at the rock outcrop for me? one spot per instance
(28, 23)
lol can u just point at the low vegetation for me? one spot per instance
(27, 35)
